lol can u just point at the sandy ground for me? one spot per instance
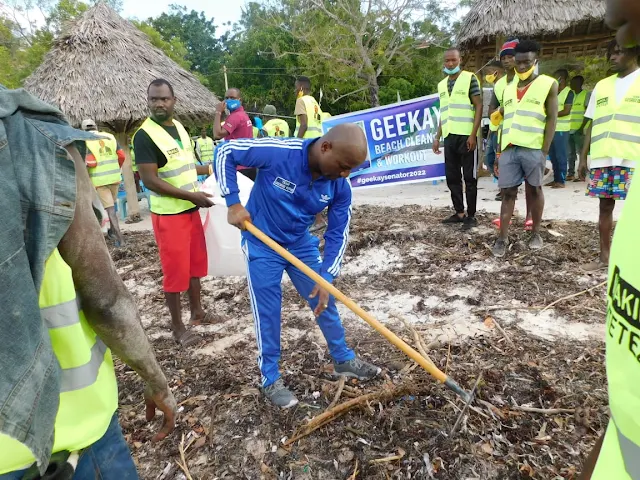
(475, 315)
(570, 203)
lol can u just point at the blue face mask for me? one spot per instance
(232, 104)
(452, 71)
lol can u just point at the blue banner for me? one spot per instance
(399, 138)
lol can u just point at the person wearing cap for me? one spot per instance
(104, 159)
(494, 73)
(275, 127)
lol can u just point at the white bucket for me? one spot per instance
(223, 240)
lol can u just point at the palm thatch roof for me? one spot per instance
(565, 28)
(100, 68)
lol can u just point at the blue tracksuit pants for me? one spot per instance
(264, 275)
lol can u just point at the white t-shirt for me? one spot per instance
(622, 87)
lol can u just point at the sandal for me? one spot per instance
(528, 225)
(188, 339)
(209, 319)
(496, 222)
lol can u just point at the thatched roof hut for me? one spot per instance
(100, 68)
(565, 28)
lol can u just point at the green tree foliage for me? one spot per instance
(196, 32)
(172, 48)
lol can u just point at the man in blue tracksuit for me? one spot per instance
(296, 180)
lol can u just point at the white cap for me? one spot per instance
(88, 124)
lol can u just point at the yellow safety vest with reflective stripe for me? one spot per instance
(564, 123)
(180, 170)
(206, 149)
(619, 457)
(456, 110)
(276, 127)
(107, 171)
(525, 120)
(325, 116)
(314, 118)
(615, 130)
(256, 132)
(133, 158)
(578, 110)
(88, 388)
(498, 90)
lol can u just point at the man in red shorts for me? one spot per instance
(612, 138)
(167, 166)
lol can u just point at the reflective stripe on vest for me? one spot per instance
(456, 110)
(314, 118)
(206, 149)
(88, 388)
(134, 167)
(620, 453)
(525, 120)
(564, 123)
(578, 110)
(180, 170)
(277, 127)
(105, 151)
(615, 128)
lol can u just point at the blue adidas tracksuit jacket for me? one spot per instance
(283, 204)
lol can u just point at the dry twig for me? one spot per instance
(183, 464)
(573, 295)
(330, 415)
(545, 411)
(341, 383)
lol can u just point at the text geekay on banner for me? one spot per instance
(399, 137)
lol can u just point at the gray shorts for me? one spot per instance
(519, 163)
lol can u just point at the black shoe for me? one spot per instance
(499, 197)
(469, 222)
(453, 219)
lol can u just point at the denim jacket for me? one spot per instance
(37, 204)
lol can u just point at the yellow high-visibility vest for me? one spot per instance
(276, 127)
(206, 149)
(578, 110)
(456, 110)
(619, 457)
(314, 118)
(564, 123)
(133, 158)
(107, 171)
(180, 170)
(498, 89)
(615, 130)
(88, 388)
(525, 120)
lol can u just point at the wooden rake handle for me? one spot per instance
(355, 308)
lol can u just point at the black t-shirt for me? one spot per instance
(146, 149)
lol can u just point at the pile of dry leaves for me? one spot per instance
(541, 400)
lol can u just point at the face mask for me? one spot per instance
(527, 74)
(232, 104)
(491, 78)
(451, 71)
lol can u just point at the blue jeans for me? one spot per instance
(107, 459)
(492, 150)
(264, 275)
(559, 154)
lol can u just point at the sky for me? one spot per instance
(221, 10)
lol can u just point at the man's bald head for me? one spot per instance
(340, 150)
